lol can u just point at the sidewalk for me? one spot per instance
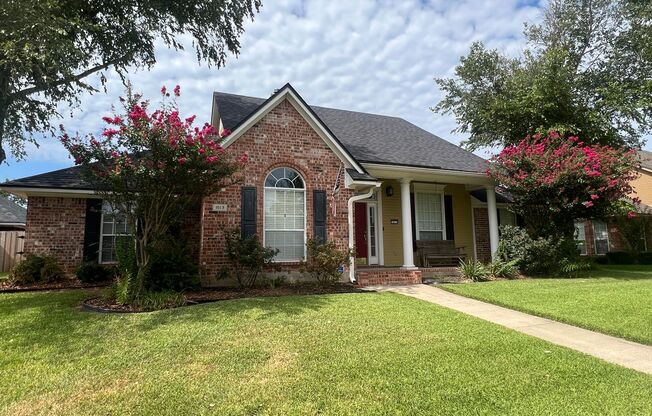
(614, 350)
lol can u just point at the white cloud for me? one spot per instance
(376, 56)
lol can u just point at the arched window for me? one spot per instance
(285, 214)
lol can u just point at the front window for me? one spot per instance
(580, 237)
(601, 235)
(429, 216)
(506, 217)
(285, 218)
(114, 225)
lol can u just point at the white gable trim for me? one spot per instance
(294, 99)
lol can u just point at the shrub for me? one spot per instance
(645, 258)
(539, 256)
(36, 269)
(119, 291)
(173, 268)
(93, 273)
(473, 270)
(248, 257)
(325, 261)
(500, 269)
(125, 252)
(575, 269)
(620, 257)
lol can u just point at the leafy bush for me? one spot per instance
(173, 268)
(575, 269)
(500, 269)
(620, 257)
(248, 257)
(541, 256)
(119, 291)
(93, 273)
(645, 258)
(474, 270)
(325, 261)
(125, 252)
(36, 269)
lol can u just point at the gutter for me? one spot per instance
(351, 231)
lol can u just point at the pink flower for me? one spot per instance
(191, 119)
(115, 154)
(164, 90)
(110, 132)
(177, 91)
(631, 214)
(182, 160)
(587, 204)
(211, 159)
(244, 158)
(225, 132)
(594, 196)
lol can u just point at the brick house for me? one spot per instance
(375, 183)
(598, 237)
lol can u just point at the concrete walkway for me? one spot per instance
(614, 350)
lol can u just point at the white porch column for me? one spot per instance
(406, 217)
(493, 220)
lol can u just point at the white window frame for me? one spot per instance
(508, 212)
(100, 260)
(305, 213)
(581, 224)
(595, 239)
(416, 213)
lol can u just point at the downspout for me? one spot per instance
(351, 231)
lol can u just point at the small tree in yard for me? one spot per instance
(555, 180)
(153, 166)
(248, 257)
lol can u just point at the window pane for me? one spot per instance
(429, 216)
(289, 243)
(506, 217)
(601, 236)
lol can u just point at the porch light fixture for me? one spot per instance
(389, 191)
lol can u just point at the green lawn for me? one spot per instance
(335, 354)
(613, 299)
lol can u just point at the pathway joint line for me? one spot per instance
(606, 347)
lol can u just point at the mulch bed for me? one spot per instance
(99, 304)
(68, 284)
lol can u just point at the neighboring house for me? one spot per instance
(12, 215)
(598, 237)
(12, 227)
(375, 182)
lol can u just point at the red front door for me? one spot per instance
(360, 212)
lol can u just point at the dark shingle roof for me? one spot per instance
(11, 213)
(68, 178)
(370, 138)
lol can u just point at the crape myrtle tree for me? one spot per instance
(49, 48)
(555, 180)
(153, 167)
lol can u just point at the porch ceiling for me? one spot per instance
(427, 174)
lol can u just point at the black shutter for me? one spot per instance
(319, 215)
(248, 217)
(414, 221)
(448, 213)
(92, 230)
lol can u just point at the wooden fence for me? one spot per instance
(11, 243)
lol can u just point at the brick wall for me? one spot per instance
(389, 276)
(55, 226)
(281, 138)
(481, 224)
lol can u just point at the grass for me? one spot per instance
(359, 354)
(613, 299)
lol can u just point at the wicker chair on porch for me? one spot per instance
(439, 253)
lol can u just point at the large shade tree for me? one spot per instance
(586, 71)
(153, 167)
(49, 48)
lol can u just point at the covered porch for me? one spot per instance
(407, 223)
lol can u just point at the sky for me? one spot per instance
(375, 56)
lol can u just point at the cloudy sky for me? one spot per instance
(376, 56)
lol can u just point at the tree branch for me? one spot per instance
(74, 78)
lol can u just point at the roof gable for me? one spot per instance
(11, 212)
(286, 93)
